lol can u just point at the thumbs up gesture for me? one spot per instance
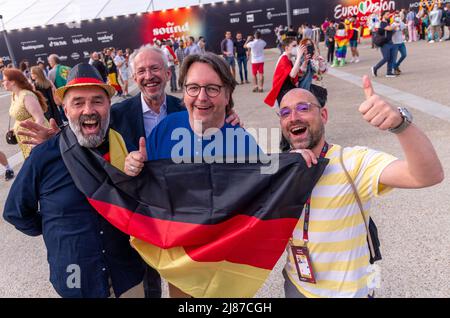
(134, 162)
(376, 111)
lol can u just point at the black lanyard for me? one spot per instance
(323, 153)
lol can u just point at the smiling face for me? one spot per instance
(87, 109)
(303, 130)
(151, 75)
(210, 111)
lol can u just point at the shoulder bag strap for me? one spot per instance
(358, 199)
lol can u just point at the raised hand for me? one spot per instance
(377, 111)
(134, 162)
(36, 132)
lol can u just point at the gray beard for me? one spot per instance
(91, 141)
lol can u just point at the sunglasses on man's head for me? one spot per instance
(302, 108)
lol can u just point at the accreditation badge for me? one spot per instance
(303, 264)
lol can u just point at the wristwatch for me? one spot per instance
(407, 120)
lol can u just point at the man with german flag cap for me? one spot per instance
(88, 257)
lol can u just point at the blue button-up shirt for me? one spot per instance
(84, 251)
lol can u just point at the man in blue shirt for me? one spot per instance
(201, 132)
(88, 257)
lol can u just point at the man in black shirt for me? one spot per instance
(241, 55)
(388, 48)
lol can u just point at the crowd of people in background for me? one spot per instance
(300, 58)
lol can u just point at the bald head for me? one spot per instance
(303, 120)
(296, 95)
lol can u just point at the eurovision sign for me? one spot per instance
(315, 11)
(75, 41)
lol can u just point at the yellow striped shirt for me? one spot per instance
(337, 233)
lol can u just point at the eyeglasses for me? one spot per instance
(153, 70)
(301, 108)
(211, 90)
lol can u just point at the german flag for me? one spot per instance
(211, 230)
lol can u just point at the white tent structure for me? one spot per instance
(31, 13)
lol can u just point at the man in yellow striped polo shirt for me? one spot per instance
(334, 239)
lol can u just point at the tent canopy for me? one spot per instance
(31, 13)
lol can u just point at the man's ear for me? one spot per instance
(324, 115)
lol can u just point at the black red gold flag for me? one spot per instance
(210, 229)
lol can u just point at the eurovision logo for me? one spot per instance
(363, 8)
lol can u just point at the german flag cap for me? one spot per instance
(82, 75)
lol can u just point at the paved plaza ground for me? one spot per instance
(414, 225)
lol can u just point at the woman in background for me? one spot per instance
(47, 89)
(26, 103)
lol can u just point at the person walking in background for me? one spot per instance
(374, 24)
(341, 39)
(171, 62)
(58, 74)
(112, 72)
(410, 21)
(26, 103)
(47, 89)
(179, 52)
(24, 67)
(256, 47)
(399, 45)
(435, 24)
(388, 49)
(354, 27)
(307, 32)
(425, 22)
(9, 172)
(325, 25)
(447, 19)
(330, 33)
(202, 44)
(280, 33)
(122, 66)
(100, 66)
(443, 17)
(227, 49)
(192, 47)
(41, 65)
(241, 56)
(2, 67)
